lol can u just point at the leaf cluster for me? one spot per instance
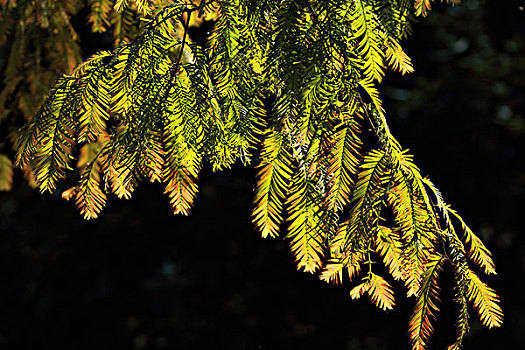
(40, 40)
(295, 80)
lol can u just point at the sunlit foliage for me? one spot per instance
(291, 87)
(39, 41)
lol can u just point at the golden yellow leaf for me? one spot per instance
(485, 301)
(333, 272)
(378, 289)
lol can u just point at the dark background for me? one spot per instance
(140, 278)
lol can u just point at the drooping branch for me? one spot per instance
(297, 80)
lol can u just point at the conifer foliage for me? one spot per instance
(39, 41)
(288, 85)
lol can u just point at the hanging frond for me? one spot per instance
(119, 100)
(333, 272)
(237, 84)
(354, 268)
(485, 301)
(359, 290)
(477, 250)
(388, 245)
(183, 160)
(469, 286)
(462, 323)
(351, 260)
(367, 33)
(373, 93)
(374, 180)
(50, 136)
(96, 97)
(99, 15)
(420, 326)
(89, 196)
(378, 289)
(305, 230)
(273, 184)
(396, 58)
(343, 163)
(422, 7)
(458, 259)
(413, 216)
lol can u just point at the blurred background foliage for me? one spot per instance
(140, 278)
